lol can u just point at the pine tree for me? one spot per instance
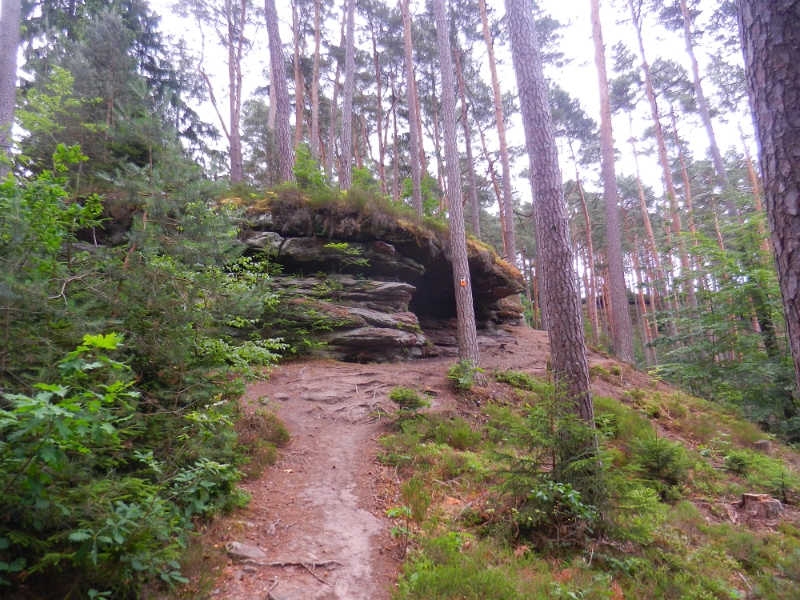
(562, 302)
(346, 160)
(770, 32)
(282, 108)
(467, 335)
(413, 114)
(622, 332)
(9, 44)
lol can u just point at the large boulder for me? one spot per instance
(360, 277)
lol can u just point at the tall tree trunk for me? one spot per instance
(475, 209)
(235, 56)
(507, 210)
(662, 155)
(315, 137)
(376, 63)
(282, 106)
(467, 335)
(492, 177)
(660, 277)
(770, 31)
(567, 343)
(334, 104)
(299, 103)
(702, 108)
(591, 287)
(620, 311)
(271, 117)
(345, 170)
(10, 19)
(413, 113)
(437, 142)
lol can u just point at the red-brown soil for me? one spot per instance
(326, 498)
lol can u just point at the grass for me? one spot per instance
(665, 531)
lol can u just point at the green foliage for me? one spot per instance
(441, 571)
(463, 375)
(662, 461)
(517, 379)
(101, 482)
(82, 489)
(407, 398)
(306, 170)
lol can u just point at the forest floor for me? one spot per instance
(319, 512)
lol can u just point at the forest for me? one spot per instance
(136, 135)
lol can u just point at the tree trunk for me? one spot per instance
(345, 170)
(334, 104)
(413, 114)
(770, 31)
(10, 18)
(272, 102)
(507, 209)
(282, 107)
(467, 336)
(379, 109)
(662, 155)
(702, 108)
(620, 311)
(315, 137)
(567, 343)
(235, 96)
(475, 209)
(591, 285)
(299, 103)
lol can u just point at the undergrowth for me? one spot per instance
(517, 503)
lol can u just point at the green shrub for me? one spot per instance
(440, 570)
(58, 514)
(517, 379)
(739, 461)
(407, 398)
(659, 459)
(416, 498)
(463, 374)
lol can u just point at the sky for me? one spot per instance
(578, 76)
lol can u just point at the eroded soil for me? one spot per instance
(322, 506)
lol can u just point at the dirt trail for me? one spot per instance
(325, 500)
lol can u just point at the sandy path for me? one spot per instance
(325, 500)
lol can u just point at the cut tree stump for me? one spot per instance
(764, 446)
(762, 505)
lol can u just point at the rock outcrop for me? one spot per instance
(364, 281)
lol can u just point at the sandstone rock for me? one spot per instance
(239, 551)
(267, 240)
(405, 320)
(371, 337)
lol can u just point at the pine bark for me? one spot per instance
(620, 310)
(283, 132)
(562, 302)
(413, 114)
(467, 335)
(335, 103)
(346, 160)
(702, 108)
(299, 103)
(475, 209)
(509, 240)
(9, 44)
(770, 31)
(666, 168)
(376, 63)
(315, 134)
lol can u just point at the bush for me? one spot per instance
(660, 460)
(739, 461)
(517, 379)
(407, 398)
(463, 374)
(83, 495)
